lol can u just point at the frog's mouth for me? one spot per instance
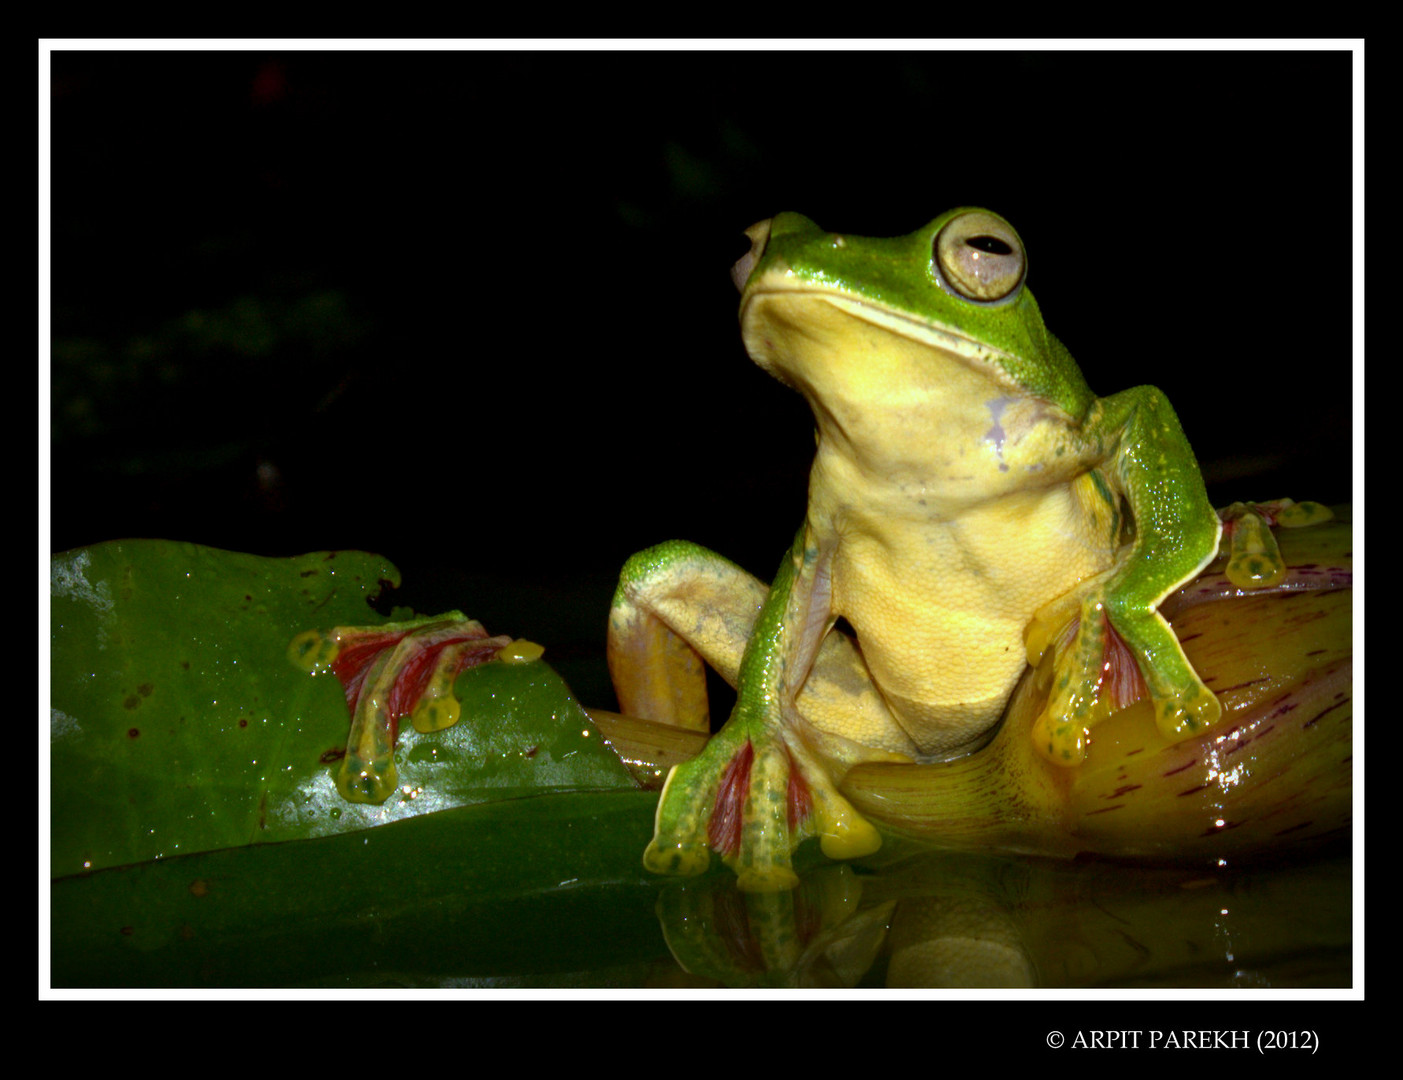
(781, 323)
(926, 332)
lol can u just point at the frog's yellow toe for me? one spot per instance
(680, 844)
(1180, 718)
(436, 713)
(1060, 739)
(1295, 515)
(366, 780)
(676, 859)
(1254, 559)
(846, 834)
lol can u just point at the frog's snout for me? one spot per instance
(759, 234)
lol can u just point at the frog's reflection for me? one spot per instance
(947, 920)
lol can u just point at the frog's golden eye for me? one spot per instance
(979, 256)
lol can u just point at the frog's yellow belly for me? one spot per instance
(940, 608)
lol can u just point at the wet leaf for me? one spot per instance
(516, 889)
(179, 725)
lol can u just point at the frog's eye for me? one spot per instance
(759, 234)
(979, 256)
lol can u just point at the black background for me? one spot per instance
(471, 309)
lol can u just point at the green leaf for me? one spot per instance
(510, 889)
(179, 724)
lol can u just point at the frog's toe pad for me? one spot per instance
(1295, 515)
(1060, 739)
(679, 859)
(850, 837)
(1180, 718)
(366, 780)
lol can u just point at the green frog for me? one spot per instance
(972, 507)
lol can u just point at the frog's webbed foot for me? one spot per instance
(389, 672)
(1254, 560)
(1098, 668)
(753, 796)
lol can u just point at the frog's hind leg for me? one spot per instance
(758, 789)
(679, 606)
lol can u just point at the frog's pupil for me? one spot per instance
(991, 245)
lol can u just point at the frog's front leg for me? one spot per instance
(678, 607)
(758, 788)
(1118, 631)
